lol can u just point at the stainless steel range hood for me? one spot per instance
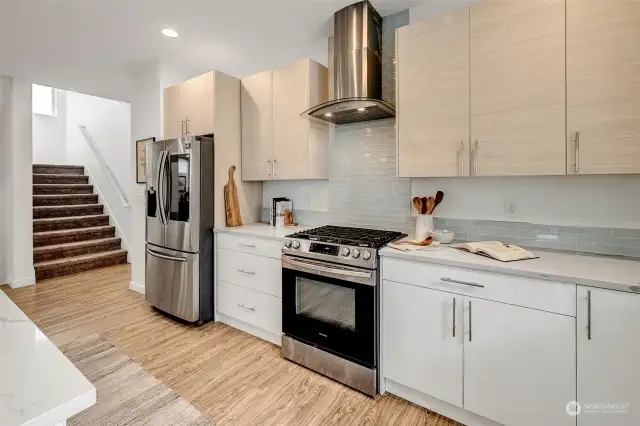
(357, 73)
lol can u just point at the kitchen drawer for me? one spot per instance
(252, 307)
(258, 273)
(250, 244)
(528, 292)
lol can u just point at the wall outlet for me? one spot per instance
(510, 208)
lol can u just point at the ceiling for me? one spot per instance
(47, 39)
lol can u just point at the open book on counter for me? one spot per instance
(496, 250)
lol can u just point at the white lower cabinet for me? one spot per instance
(252, 307)
(608, 357)
(519, 364)
(420, 348)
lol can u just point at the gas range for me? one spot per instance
(356, 247)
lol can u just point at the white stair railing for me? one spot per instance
(105, 167)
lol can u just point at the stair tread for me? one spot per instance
(69, 218)
(74, 244)
(68, 206)
(63, 185)
(62, 166)
(58, 175)
(74, 230)
(78, 259)
(63, 195)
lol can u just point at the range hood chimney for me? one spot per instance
(357, 74)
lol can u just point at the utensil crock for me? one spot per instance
(424, 225)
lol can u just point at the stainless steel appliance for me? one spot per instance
(357, 69)
(330, 296)
(179, 249)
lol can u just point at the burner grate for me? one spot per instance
(362, 237)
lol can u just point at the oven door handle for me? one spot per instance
(336, 271)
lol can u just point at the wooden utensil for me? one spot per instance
(231, 204)
(424, 205)
(439, 198)
(417, 203)
(424, 243)
(431, 204)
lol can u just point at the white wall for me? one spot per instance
(16, 154)
(109, 124)
(305, 194)
(50, 135)
(146, 122)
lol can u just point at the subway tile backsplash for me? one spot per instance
(595, 240)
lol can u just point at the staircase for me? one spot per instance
(71, 233)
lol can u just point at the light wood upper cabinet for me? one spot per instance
(197, 100)
(433, 96)
(299, 146)
(257, 126)
(189, 107)
(173, 119)
(603, 86)
(518, 87)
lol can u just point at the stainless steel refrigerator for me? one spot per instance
(179, 238)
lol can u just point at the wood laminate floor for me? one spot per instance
(233, 377)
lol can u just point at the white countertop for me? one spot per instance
(38, 384)
(592, 271)
(263, 230)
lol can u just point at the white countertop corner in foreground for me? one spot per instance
(592, 271)
(262, 230)
(39, 386)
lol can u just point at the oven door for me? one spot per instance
(331, 306)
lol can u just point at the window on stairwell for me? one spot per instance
(45, 101)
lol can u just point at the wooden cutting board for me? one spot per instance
(231, 204)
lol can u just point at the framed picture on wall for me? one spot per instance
(141, 159)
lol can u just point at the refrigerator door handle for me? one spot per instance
(165, 257)
(161, 189)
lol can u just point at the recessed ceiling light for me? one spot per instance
(328, 114)
(170, 33)
(360, 109)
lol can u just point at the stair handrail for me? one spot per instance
(103, 164)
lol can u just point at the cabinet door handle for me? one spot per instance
(588, 314)
(248, 309)
(246, 272)
(449, 280)
(182, 128)
(187, 125)
(470, 327)
(454, 317)
(247, 245)
(269, 166)
(461, 158)
(576, 164)
(475, 157)
(274, 168)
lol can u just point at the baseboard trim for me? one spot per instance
(137, 287)
(276, 339)
(433, 404)
(24, 282)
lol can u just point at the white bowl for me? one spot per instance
(442, 236)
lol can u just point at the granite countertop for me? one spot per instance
(592, 271)
(38, 384)
(262, 230)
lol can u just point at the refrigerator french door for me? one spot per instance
(179, 223)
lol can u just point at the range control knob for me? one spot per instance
(366, 255)
(345, 252)
(355, 253)
(287, 243)
(295, 244)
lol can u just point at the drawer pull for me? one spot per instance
(454, 317)
(247, 245)
(449, 280)
(246, 272)
(244, 307)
